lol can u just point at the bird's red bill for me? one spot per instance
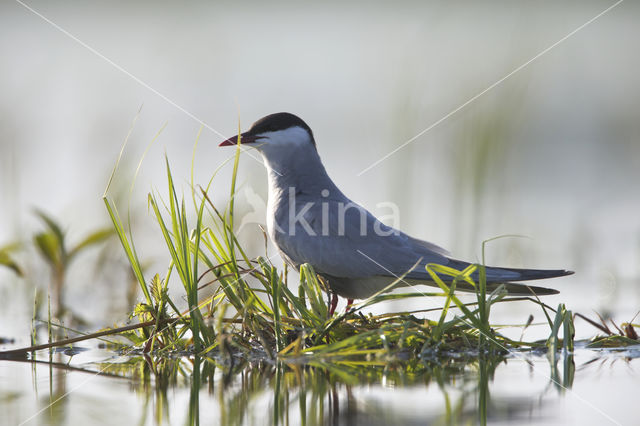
(244, 138)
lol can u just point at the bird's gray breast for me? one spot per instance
(284, 209)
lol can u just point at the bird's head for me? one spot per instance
(276, 133)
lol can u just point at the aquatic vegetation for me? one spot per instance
(52, 245)
(255, 327)
(624, 334)
(6, 257)
(253, 308)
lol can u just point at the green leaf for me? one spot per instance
(157, 288)
(53, 226)
(129, 248)
(133, 337)
(49, 246)
(11, 247)
(6, 260)
(92, 239)
(614, 341)
(143, 308)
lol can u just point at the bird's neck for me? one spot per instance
(296, 179)
(299, 169)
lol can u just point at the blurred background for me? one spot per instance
(551, 153)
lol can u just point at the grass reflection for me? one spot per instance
(442, 389)
(317, 393)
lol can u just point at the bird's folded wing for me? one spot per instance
(352, 243)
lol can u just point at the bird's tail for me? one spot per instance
(506, 276)
(495, 274)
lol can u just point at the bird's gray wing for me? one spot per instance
(359, 246)
(347, 241)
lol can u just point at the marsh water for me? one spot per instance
(466, 120)
(97, 386)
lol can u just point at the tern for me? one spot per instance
(311, 221)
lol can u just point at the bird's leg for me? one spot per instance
(334, 304)
(349, 303)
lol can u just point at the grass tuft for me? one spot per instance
(252, 309)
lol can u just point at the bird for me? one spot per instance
(311, 221)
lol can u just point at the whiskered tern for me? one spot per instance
(311, 221)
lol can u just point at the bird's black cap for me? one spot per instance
(270, 123)
(279, 121)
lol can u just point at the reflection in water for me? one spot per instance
(457, 389)
(454, 390)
